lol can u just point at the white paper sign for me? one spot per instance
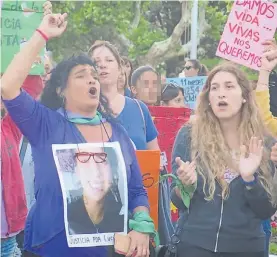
(94, 187)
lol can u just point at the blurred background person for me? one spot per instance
(194, 68)
(145, 85)
(173, 96)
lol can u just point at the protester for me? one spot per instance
(75, 93)
(193, 68)
(225, 171)
(145, 85)
(48, 66)
(13, 207)
(132, 114)
(173, 96)
(263, 101)
(263, 96)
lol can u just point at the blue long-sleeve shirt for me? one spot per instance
(44, 127)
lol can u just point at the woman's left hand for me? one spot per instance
(139, 244)
(249, 165)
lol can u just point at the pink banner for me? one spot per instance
(249, 24)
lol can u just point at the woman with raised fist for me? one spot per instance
(73, 111)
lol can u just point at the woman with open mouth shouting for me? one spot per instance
(225, 174)
(76, 113)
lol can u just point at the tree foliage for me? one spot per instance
(107, 20)
(142, 30)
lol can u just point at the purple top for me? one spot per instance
(44, 127)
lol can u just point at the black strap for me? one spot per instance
(175, 238)
(23, 149)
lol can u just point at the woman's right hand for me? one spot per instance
(53, 25)
(186, 171)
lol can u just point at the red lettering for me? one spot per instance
(263, 8)
(232, 29)
(255, 21)
(239, 15)
(239, 53)
(245, 33)
(271, 11)
(239, 2)
(256, 36)
(247, 45)
(245, 56)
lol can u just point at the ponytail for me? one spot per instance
(203, 71)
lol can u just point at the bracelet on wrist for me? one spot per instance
(42, 34)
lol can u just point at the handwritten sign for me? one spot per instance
(192, 87)
(248, 25)
(19, 19)
(149, 163)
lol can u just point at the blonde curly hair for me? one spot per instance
(208, 145)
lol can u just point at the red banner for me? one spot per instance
(168, 121)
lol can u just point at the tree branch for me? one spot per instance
(202, 27)
(136, 19)
(171, 47)
(160, 50)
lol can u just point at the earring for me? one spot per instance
(209, 104)
(244, 101)
(63, 99)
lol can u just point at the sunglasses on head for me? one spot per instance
(187, 67)
(172, 85)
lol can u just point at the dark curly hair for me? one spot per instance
(58, 80)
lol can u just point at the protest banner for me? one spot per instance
(19, 19)
(168, 121)
(248, 25)
(192, 87)
(95, 195)
(149, 163)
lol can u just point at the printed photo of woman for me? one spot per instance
(94, 203)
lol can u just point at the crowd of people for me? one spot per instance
(224, 158)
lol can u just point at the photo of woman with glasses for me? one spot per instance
(94, 203)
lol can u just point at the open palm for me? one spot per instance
(249, 165)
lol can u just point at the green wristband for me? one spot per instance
(185, 191)
(143, 223)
